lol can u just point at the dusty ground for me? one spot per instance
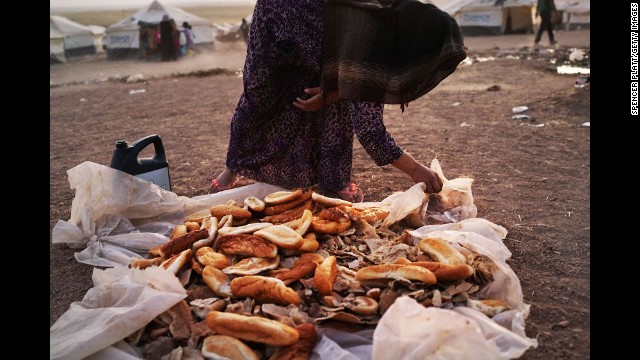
(532, 177)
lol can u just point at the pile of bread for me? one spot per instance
(263, 274)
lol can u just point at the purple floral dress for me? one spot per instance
(274, 142)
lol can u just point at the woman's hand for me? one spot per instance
(314, 103)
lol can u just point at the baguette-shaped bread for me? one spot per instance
(328, 202)
(282, 207)
(252, 328)
(281, 197)
(264, 289)
(209, 257)
(177, 261)
(237, 212)
(395, 271)
(247, 245)
(325, 275)
(282, 235)
(440, 250)
(255, 204)
(290, 215)
(252, 266)
(244, 229)
(217, 281)
(181, 242)
(368, 214)
(199, 216)
(298, 271)
(443, 272)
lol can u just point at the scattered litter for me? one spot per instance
(136, 91)
(519, 109)
(457, 103)
(576, 55)
(465, 124)
(467, 61)
(567, 69)
(521, 117)
(483, 59)
(135, 78)
(537, 125)
(586, 124)
(494, 88)
(83, 99)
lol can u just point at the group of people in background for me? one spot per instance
(165, 41)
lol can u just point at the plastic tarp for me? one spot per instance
(126, 32)
(116, 217)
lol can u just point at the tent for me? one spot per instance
(123, 38)
(451, 7)
(78, 39)
(494, 17)
(56, 46)
(577, 15)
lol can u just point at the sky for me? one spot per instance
(97, 4)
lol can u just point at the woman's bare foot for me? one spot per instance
(225, 181)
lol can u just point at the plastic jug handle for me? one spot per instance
(140, 144)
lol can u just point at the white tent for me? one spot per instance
(123, 37)
(78, 39)
(578, 15)
(56, 46)
(487, 17)
(451, 7)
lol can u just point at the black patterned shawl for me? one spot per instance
(389, 51)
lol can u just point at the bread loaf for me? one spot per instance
(443, 272)
(395, 271)
(325, 275)
(440, 250)
(227, 347)
(264, 289)
(252, 328)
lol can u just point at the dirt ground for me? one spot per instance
(530, 176)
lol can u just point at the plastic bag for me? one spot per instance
(410, 331)
(110, 202)
(452, 204)
(122, 301)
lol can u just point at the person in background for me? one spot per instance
(168, 50)
(183, 44)
(544, 9)
(188, 33)
(308, 142)
(244, 29)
